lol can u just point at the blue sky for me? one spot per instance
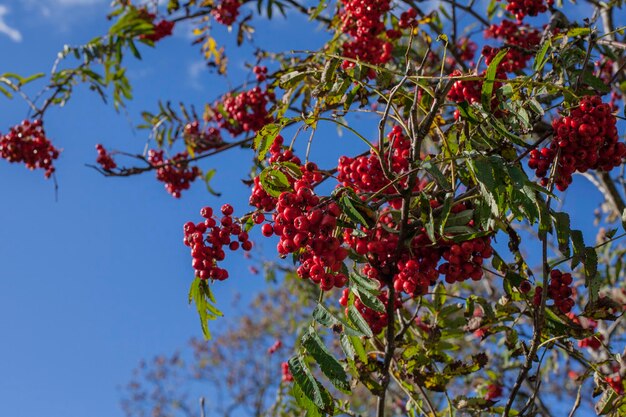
(94, 282)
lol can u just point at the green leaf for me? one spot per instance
(326, 361)
(350, 210)
(357, 319)
(207, 180)
(265, 137)
(578, 32)
(274, 182)
(326, 318)
(304, 403)
(562, 225)
(440, 296)
(310, 386)
(370, 300)
(365, 283)
(200, 294)
(490, 76)
(540, 58)
(437, 175)
(579, 247)
(591, 268)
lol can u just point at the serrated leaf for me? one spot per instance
(200, 294)
(310, 386)
(369, 300)
(357, 319)
(540, 58)
(326, 318)
(365, 283)
(274, 182)
(578, 32)
(326, 361)
(579, 247)
(265, 137)
(562, 225)
(490, 76)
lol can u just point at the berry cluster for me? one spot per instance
(523, 8)
(27, 143)
(202, 141)
(162, 29)
(520, 39)
(559, 290)
(494, 391)
(363, 21)
(287, 377)
(305, 227)
(584, 139)
(260, 73)
(244, 112)
(174, 172)
(227, 11)
(207, 251)
(470, 90)
(408, 19)
(365, 174)
(105, 160)
(464, 260)
(274, 348)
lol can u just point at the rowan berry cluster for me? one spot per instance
(244, 112)
(408, 19)
(227, 11)
(105, 160)
(523, 8)
(27, 143)
(464, 260)
(363, 21)
(260, 73)
(470, 90)
(559, 290)
(162, 29)
(593, 342)
(202, 141)
(208, 250)
(365, 174)
(174, 172)
(584, 139)
(274, 348)
(494, 391)
(520, 39)
(305, 227)
(287, 377)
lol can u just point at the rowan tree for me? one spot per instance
(448, 278)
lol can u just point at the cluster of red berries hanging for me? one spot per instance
(27, 143)
(520, 40)
(245, 111)
(226, 11)
(465, 260)
(202, 141)
(260, 73)
(174, 172)
(363, 21)
(364, 174)
(586, 138)
(162, 29)
(287, 377)
(105, 160)
(471, 90)
(523, 8)
(494, 391)
(208, 238)
(559, 290)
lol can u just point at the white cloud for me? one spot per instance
(14, 34)
(195, 71)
